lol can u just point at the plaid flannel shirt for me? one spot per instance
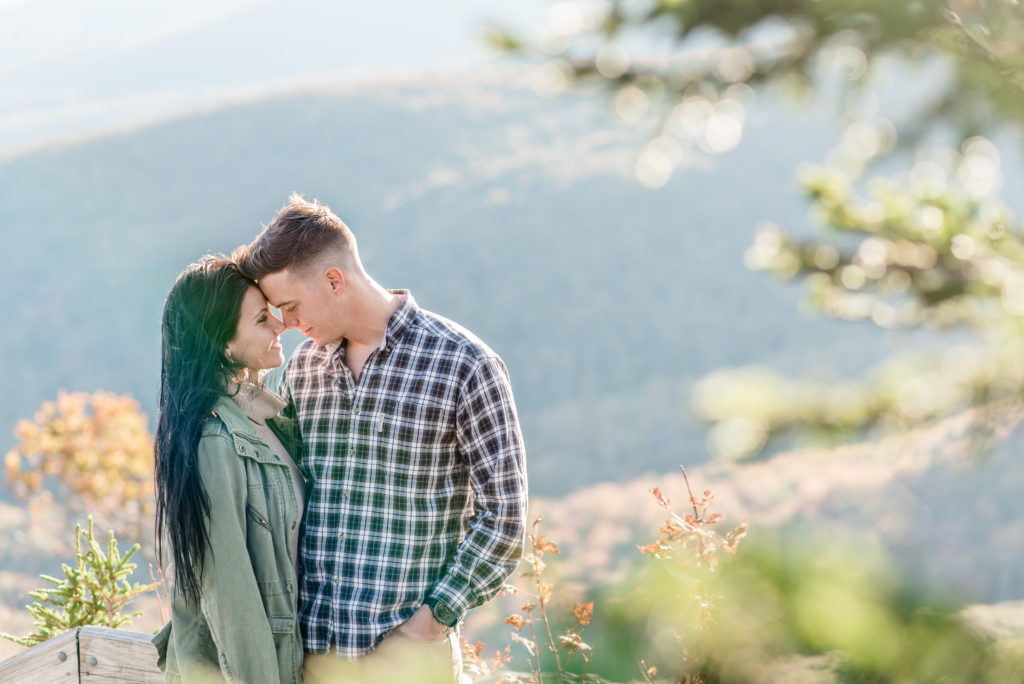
(416, 479)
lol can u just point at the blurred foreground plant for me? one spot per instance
(688, 549)
(535, 614)
(819, 605)
(691, 548)
(834, 602)
(816, 603)
(94, 592)
(99, 453)
(476, 666)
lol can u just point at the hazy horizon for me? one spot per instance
(73, 71)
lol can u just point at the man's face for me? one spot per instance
(304, 303)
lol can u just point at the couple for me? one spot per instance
(336, 531)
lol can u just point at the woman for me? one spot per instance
(229, 495)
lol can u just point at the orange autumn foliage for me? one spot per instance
(93, 453)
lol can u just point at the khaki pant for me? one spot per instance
(399, 658)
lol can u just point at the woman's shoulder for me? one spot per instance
(217, 438)
(226, 419)
(220, 464)
(228, 430)
(226, 416)
(213, 426)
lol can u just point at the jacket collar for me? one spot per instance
(247, 442)
(231, 415)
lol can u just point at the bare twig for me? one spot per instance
(696, 515)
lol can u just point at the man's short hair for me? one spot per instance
(300, 233)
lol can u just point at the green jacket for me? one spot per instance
(244, 628)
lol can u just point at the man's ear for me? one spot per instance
(336, 280)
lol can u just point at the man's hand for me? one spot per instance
(422, 625)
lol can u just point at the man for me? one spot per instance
(412, 449)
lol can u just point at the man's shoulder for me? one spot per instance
(307, 354)
(452, 337)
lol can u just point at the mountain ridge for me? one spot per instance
(512, 214)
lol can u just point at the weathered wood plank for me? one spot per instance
(114, 656)
(55, 660)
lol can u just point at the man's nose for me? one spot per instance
(280, 327)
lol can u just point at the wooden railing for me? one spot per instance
(89, 655)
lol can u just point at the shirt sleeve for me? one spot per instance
(289, 416)
(491, 442)
(285, 390)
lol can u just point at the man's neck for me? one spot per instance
(376, 306)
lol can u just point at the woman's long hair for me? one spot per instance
(200, 318)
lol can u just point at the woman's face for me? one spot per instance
(256, 344)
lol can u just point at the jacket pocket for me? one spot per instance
(281, 624)
(257, 517)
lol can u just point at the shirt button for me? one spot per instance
(337, 580)
(341, 537)
(352, 452)
(356, 410)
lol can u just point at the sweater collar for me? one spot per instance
(256, 401)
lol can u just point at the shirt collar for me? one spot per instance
(400, 322)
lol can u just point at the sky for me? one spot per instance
(70, 68)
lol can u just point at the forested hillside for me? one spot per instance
(509, 212)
